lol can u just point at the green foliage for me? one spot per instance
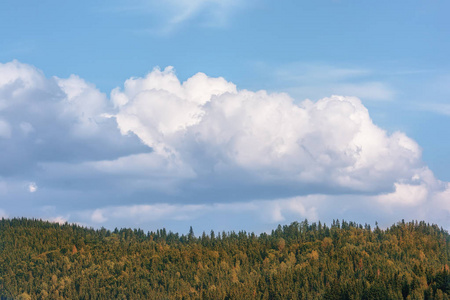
(42, 260)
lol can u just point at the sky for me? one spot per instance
(224, 115)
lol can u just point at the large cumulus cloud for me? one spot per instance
(162, 150)
(209, 125)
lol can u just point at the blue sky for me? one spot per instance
(91, 132)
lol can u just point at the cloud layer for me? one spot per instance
(160, 150)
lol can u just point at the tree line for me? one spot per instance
(303, 260)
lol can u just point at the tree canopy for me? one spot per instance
(43, 260)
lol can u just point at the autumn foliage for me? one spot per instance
(42, 260)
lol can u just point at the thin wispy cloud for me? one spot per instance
(315, 81)
(169, 16)
(438, 108)
(438, 85)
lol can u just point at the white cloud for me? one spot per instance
(405, 194)
(58, 219)
(84, 102)
(279, 210)
(17, 78)
(32, 187)
(332, 141)
(97, 216)
(162, 106)
(423, 187)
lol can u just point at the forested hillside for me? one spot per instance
(42, 260)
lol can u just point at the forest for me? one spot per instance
(303, 260)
